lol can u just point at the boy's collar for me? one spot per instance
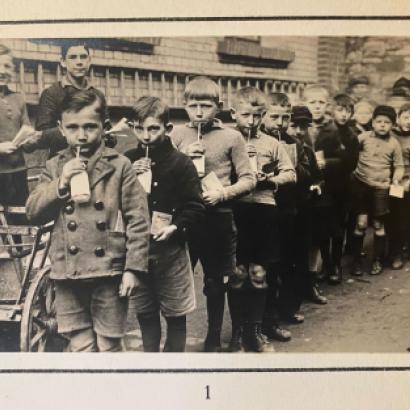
(65, 82)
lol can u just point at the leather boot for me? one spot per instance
(235, 345)
(254, 341)
(313, 293)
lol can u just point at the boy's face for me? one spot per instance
(316, 101)
(404, 121)
(341, 114)
(382, 125)
(151, 131)
(201, 111)
(77, 61)
(6, 69)
(83, 128)
(363, 115)
(360, 90)
(299, 130)
(276, 119)
(248, 118)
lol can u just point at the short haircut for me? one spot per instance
(315, 88)
(84, 98)
(343, 100)
(202, 88)
(404, 108)
(250, 95)
(150, 107)
(67, 44)
(364, 103)
(280, 99)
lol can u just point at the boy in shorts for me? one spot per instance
(97, 247)
(380, 164)
(175, 197)
(224, 153)
(257, 220)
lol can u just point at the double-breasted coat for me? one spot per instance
(88, 239)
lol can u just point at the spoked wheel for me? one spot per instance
(38, 322)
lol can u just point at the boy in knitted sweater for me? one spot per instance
(380, 164)
(220, 155)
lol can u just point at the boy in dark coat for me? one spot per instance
(176, 207)
(100, 245)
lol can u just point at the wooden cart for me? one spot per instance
(26, 291)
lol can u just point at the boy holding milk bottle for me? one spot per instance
(220, 155)
(100, 241)
(176, 207)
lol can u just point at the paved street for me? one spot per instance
(369, 314)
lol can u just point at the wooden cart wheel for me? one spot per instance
(38, 322)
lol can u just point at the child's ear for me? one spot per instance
(60, 127)
(169, 127)
(233, 113)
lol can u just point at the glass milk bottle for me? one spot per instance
(199, 160)
(80, 186)
(146, 177)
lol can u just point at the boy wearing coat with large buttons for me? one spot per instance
(99, 246)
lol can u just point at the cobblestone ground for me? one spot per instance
(369, 314)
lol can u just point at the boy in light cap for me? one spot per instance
(380, 164)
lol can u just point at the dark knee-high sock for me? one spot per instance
(236, 306)
(255, 305)
(150, 325)
(379, 246)
(176, 334)
(357, 245)
(325, 252)
(337, 250)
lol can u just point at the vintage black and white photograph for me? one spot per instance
(205, 194)
(204, 205)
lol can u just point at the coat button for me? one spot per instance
(72, 226)
(99, 251)
(69, 209)
(101, 225)
(99, 205)
(73, 249)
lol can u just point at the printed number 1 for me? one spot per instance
(208, 395)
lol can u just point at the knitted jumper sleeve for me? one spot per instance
(246, 179)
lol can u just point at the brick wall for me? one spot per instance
(382, 59)
(124, 75)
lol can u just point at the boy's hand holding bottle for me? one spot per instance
(142, 165)
(73, 167)
(7, 148)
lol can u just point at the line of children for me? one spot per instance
(275, 194)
